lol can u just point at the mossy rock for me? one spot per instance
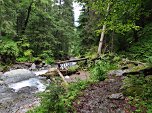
(51, 73)
(138, 68)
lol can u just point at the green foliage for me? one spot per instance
(149, 60)
(39, 27)
(99, 70)
(58, 98)
(51, 100)
(22, 59)
(7, 16)
(73, 91)
(142, 49)
(139, 88)
(47, 56)
(8, 50)
(73, 68)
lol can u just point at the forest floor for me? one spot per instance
(80, 75)
(103, 97)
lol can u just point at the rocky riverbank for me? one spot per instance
(18, 90)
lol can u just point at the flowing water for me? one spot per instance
(18, 89)
(31, 82)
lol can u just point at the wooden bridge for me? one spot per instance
(68, 63)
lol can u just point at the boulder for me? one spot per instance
(51, 72)
(33, 67)
(27, 90)
(116, 96)
(116, 72)
(17, 75)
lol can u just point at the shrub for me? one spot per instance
(142, 49)
(8, 50)
(73, 69)
(58, 98)
(99, 70)
(139, 88)
(48, 56)
(51, 100)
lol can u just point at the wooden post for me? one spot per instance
(61, 75)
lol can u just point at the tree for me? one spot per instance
(118, 16)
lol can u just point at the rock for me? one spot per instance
(116, 96)
(51, 72)
(1, 82)
(116, 72)
(27, 90)
(33, 67)
(17, 75)
(66, 77)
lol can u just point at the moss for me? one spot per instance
(133, 91)
(138, 68)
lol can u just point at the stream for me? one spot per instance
(18, 89)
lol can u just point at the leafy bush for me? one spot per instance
(138, 86)
(58, 98)
(143, 48)
(149, 60)
(99, 70)
(139, 89)
(73, 68)
(51, 100)
(8, 50)
(48, 56)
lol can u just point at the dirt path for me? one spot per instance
(82, 75)
(96, 98)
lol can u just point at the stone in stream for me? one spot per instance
(21, 96)
(17, 75)
(33, 67)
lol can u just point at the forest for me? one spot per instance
(114, 37)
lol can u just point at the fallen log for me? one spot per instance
(61, 75)
(145, 71)
(74, 60)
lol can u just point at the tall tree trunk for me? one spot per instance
(27, 18)
(135, 35)
(101, 39)
(112, 42)
(0, 33)
(103, 32)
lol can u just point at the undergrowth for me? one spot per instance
(58, 98)
(139, 90)
(99, 69)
